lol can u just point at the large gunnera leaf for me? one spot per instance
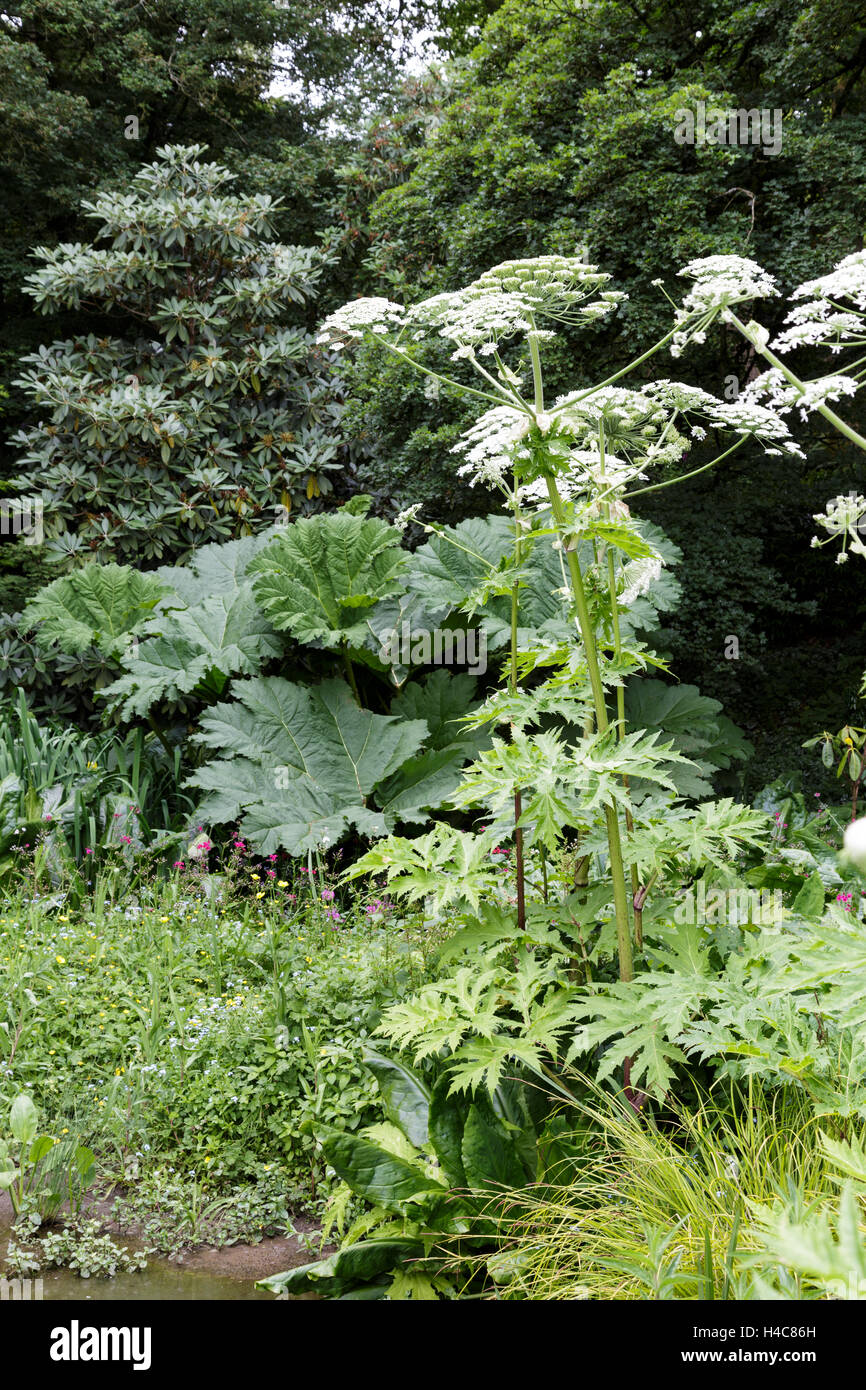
(195, 650)
(319, 577)
(430, 778)
(300, 764)
(96, 606)
(696, 725)
(213, 571)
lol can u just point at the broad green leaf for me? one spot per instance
(373, 1173)
(40, 1147)
(23, 1119)
(695, 724)
(446, 1118)
(408, 1285)
(316, 578)
(849, 1156)
(95, 606)
(362, 1261)
(9, 1174)
(428, 780)
(450, 565)
(299, 763)
(405, 1097)
(422, 784)
(488, 1153)
(809, 902)
(214, 571)
(85, 1163)
(198, 648)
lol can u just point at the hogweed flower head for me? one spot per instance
(834, 314)
(743, 416)
(842, 519)
(782, 396)
(719, 283)
(553, 287)
(349, 323)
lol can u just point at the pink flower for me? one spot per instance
(178, 864)
(88, 851)
(327, 895)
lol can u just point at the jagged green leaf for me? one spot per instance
(317, 577)
(96, 606)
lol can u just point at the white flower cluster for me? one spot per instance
(639, 576)
(824, 321)
(509, 298)
(474, 321)
(743, 416)
(554, 287)
(504, 301)
(843, 517)
(358, 317)
(490, 444)
(584, 478)
(819, 324)
(408, 514)
(720, 281)
(629, 420)
(847, 280)
(781, 395)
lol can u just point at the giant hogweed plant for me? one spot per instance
(828, 313)
(563, 774)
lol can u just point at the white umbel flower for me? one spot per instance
(720, 281)
(854, 843)
(358, 317)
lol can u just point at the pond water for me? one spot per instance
(204, 1274)
(162, 1280)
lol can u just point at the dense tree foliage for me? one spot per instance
(561, 133)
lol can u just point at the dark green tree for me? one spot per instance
(200, 416)
(561, 132)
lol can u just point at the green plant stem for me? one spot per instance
(617, 868)
(620, 706)
(671, 482)
(518, 803)
(158, 731)
(350, 672)
(774, 361)
(445, 380)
